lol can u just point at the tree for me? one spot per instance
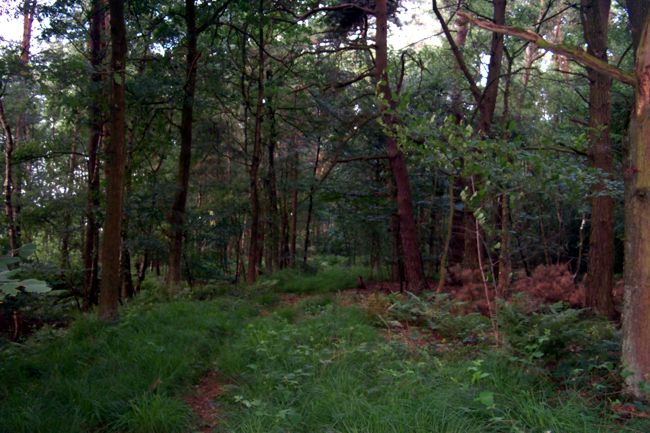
(600, 271)
(177, 214)
(111, 282)
(636, 309)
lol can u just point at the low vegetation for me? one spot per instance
(353, 361)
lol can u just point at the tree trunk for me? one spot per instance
(67, 217)
(293, 228)
(414, 269)
(273, 238)
(177, 215)
(600, 271)
(310, 206)
(112, 243)
(255, 241)
(96, 125)
(636, 326)
(8, 182)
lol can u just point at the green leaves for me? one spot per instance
(9, 284)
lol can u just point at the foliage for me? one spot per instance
(9, 268)
(580, 350)
(439, 312)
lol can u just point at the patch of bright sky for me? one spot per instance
(418, 27)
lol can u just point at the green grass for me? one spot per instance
(330, 370)
(312, 367)
(115, 377)
(326, 279)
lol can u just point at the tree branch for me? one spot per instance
(460, 60)
(574, 53)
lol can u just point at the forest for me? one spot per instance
(335, 216)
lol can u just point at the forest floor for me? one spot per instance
(264, 360)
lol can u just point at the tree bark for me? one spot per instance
(273, 238)
(96, 126)
(414, 269)
(7, 186)
(115, 157)
(254, 253)
(600, 271)
(636, 310)
(177, 215)
(310, 205)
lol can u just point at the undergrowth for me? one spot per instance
(124, 377)
(329, 369)
(326, 279)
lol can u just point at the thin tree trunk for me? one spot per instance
(448, 236)
(67, 217)
(310, 205)
(273, 238)
(8, 182)
(142, 271)
(505, 260)
(254, 253)
(177, 215)
(293, 229)
(112, 243)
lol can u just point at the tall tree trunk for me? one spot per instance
(67, 217)
(13, 137)
(273, 238)
(254, 253)
(109, 293)
(96, 126)
(486, 108)
(488, 102)
(29, 11)
(600, 271)
(414, 268)
(177, 215)
(310, 205)
(293, 228)
(636, 326)
(7, 186)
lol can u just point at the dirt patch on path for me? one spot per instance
(202, 402)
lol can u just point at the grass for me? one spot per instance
(115, 377)
(330, 278)
(312, 367)
(331, 370)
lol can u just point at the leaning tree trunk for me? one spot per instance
(600, 271)
(177, 215)
(109, 293)
(414, 269)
